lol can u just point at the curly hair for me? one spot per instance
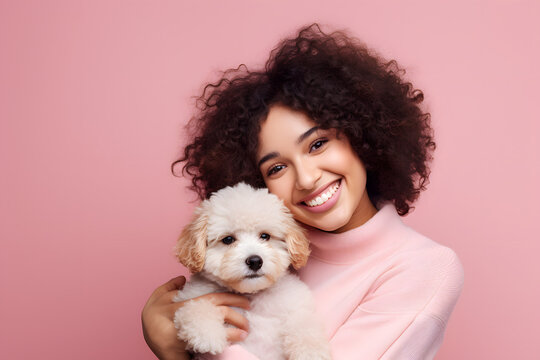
(340, 84)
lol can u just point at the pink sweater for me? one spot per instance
(382, 290)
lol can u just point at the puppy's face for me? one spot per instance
(243, 238)
(246, 261)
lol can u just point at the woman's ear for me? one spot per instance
(191, 246)
(297, 244)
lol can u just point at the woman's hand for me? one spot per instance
(158, 314)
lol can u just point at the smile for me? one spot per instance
(324, 197)
(324, 200)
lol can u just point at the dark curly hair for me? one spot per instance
(339, 83)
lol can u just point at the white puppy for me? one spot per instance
(243, 240)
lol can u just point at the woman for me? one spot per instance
(335, 132)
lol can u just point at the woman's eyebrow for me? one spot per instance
(268, 157)
(306, 134)
(298, 141)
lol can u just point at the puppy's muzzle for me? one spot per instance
(254, 262)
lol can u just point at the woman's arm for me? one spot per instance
(158, 319)
(406, 315)
(403, 318)
(157, 322)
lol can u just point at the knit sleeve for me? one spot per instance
(405, 315)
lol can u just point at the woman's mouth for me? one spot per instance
(324, 197)
(324, 200)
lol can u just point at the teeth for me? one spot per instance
(324, 197)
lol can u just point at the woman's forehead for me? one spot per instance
(284, 126)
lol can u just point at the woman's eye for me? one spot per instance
(265, 236)
(317, 144)
(227, 240)
(274, 169)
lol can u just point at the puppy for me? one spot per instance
(243, 240)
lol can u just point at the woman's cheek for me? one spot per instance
(280, 188)
(337, 157)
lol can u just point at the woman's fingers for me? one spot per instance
(228, 300)
(224, 301)
(234, 318)
(217, 299)
(236, 335)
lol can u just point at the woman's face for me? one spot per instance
(317, 174)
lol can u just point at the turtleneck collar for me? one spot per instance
(357, 243)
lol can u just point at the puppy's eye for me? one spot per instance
(265, 236)
(227, 240)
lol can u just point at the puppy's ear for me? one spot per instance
(297, 244)
(191, 246)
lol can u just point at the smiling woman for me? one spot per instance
(335, 132)
(314, 171)
(337, 83)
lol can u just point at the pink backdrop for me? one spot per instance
(93, 98)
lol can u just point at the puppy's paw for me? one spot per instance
(201, 325)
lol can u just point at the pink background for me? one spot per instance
(93, 98)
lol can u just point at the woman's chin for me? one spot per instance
(329, 222)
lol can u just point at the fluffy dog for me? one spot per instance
(244, 240)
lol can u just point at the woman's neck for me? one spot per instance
(364, 211)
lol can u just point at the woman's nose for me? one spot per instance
(307, 175)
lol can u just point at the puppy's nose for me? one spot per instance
(254, 262)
